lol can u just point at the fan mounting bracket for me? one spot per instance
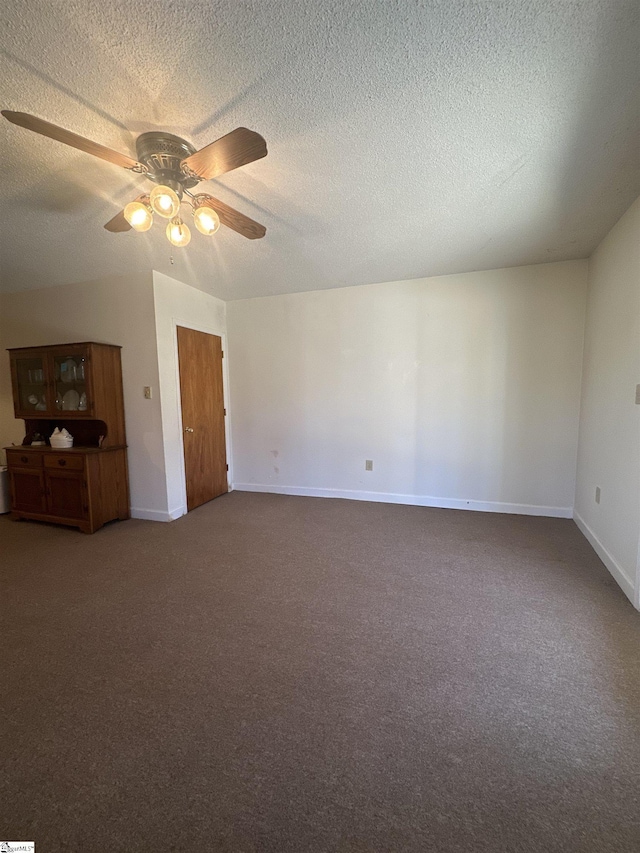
(162, 153)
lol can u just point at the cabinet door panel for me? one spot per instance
(65, 494)
(31, 385)
(27, 489)
(71, 380)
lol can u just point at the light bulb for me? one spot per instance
(178, 233)
(164, 201)
(139, 215)
(207, 220)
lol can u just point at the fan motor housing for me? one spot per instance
(162, 153)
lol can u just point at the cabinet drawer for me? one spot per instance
(20, 458)
(62, 460)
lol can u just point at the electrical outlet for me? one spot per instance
(597, 494)
(147, 392)
(368, 464)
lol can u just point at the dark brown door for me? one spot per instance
(27, 489)
(205, 454)
(65, 490)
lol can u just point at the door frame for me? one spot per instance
(199, 327)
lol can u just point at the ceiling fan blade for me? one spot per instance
(234, 219)
(45, 128)
(119, 223)
(237, 148)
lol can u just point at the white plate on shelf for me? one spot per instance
(71, 401)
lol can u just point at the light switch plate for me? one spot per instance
(147, 392)
(368, 464)
(637, 395)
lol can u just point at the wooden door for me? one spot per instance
(31, 384)
(66, 494)
(71, 381)
(205, 454)
(27, 489)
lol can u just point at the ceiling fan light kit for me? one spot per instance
(205, 218)
(165, 200)
(178, 233)
(139, 214)
(175, 166)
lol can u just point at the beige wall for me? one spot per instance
(178, 304)
(464, 390)
(609, 445)
(116, 310)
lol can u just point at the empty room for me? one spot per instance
(320, 426)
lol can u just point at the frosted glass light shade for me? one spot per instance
(206, 220)
(139, 215)
(164, 201)
(178, 233)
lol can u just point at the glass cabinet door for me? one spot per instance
(70, 383)
(31, 382)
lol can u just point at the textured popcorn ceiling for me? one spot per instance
(405, 138)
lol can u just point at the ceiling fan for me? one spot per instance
(175, 166)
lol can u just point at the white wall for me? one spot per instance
(464, 390)
(115, 310)
(609, 444)
(178, 304)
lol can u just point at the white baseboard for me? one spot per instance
(619, 575)
(157, 515)
(412, 500)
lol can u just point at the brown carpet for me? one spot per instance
(295, 674)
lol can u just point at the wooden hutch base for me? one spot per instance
(82, 486)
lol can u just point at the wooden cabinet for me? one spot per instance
(70, 381)
(78, 387)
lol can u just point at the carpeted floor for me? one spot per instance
(295, 674)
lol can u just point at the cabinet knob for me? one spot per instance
(62, 461)
(24, 459)
(188, 429)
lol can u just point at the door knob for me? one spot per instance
(188, 429)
